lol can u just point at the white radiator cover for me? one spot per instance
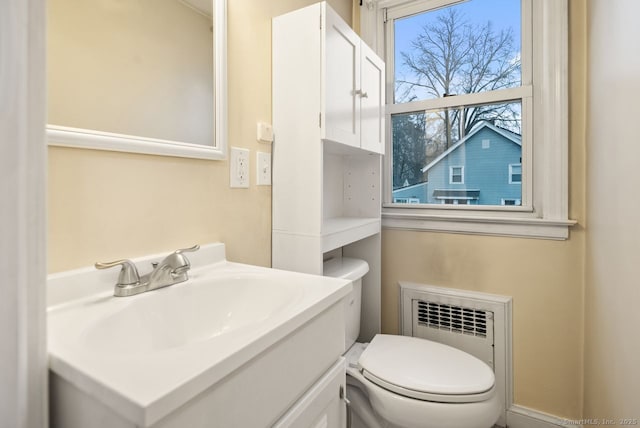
(459, 326)
(477, 323)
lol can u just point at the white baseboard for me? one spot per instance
(523, 417)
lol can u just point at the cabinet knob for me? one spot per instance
(362, 93)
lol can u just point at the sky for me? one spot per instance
(503, 14)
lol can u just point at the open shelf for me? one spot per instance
(340, 231)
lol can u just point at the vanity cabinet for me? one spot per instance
(328, 119)
(235, 346)
(296, 382)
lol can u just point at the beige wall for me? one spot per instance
(108, 205)
(612, 375)
(544, 277)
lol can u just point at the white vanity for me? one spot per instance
(234, 346)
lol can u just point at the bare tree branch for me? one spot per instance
(450, 56)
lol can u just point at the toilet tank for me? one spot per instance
(354, 270)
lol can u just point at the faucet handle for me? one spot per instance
(178, 262)
(188, 250)
(128, 273)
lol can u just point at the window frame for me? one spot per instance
(545, 153)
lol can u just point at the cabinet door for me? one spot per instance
(372, 100)
(342, 79)
(321, 406)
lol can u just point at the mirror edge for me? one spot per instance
(220, 75)
(63, 136)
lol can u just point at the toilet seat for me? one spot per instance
(425, 370)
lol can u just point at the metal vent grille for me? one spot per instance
(456, 319)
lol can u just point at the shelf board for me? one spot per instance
(345, 149)
(340, 231)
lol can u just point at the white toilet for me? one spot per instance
(407, 382)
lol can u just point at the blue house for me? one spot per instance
(484, 168)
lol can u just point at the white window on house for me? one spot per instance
(456, 175)
(460, 74)
(515, 173)
(455, 201)
(406, 200)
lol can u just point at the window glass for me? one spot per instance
(470, 153)
(469, 47)
(410, 152)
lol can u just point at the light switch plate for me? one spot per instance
(263, 165)
(239, 168)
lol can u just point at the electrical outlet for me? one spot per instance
(239, 168)
(263, 164)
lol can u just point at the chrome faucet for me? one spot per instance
(172, 270)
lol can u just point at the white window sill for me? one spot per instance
(523, 227)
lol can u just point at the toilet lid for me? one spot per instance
(426, 370)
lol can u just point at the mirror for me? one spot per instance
(142, 76)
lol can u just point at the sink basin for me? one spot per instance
(146, 355)
(176, 317)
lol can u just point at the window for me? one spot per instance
(459, 81)
(456, 175)
(515, 173)
(456, 201)
(406, 200)
(444, 114)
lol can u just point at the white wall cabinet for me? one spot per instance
(328, 118)
(353, 89)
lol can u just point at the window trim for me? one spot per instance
(547, 215)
